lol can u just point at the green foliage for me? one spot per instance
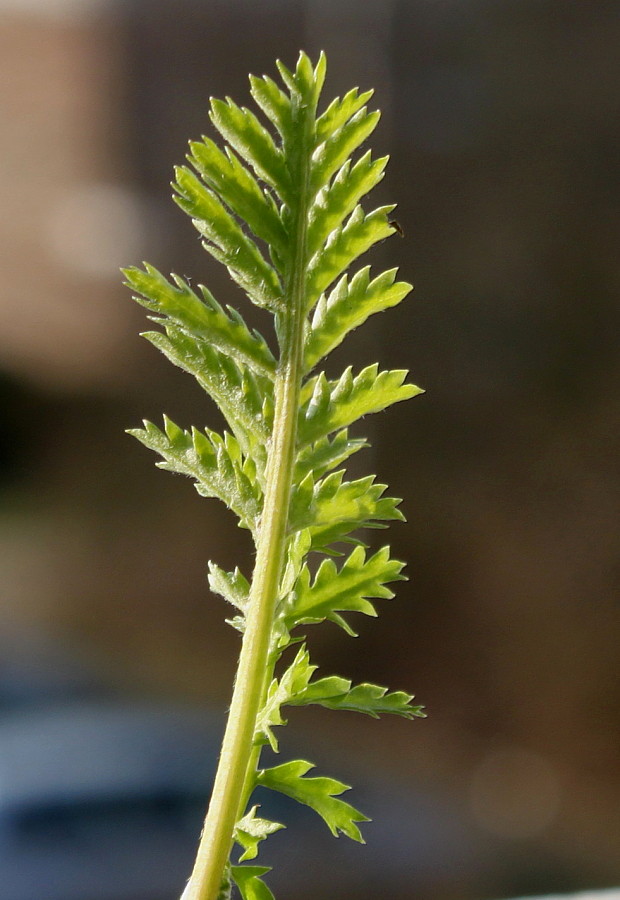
(321, 794)
(279, 204)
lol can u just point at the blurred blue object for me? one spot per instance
(102, 798)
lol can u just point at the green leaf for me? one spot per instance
(227, 242)
(251, 830)
(278, 203)
(253, 143)
(226, 175)
(245, 398)
(340, 111)
(344, 246)
(338, 145)
(247, 879)
(294, 681)
(371, 699)
(273, 102)
(333, 508)
(325, 454)
(348, 589)
(297, 547)
(348, 305)
(320, 793)
(327, 406)
(335, 202)
(204, 319)
(232, 586)
(216, 463)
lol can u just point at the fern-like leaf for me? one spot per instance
(203, 319)
(253, 143)
(348, 589)
(321, 794)
(332, 508)
(248, 880)
(279, 203)
(335, 202)
(216, 464)
(338, 144)
(251, 830)
(328, 406)
(339, 111)
(371, 699)
(244, 398)
(325, 454)
(344, 245)
(227, 242)
(348, 305)
(232, 586)
(226, 176)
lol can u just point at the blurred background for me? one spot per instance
(115, 663)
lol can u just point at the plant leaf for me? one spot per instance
(226, 175)
(232, 586)
(320, 793)
(251, 830)
(348, 305)
(337, 145)
(216, 463)
(227, 242)
(340, 111)
(344, 246)
(253, 143)
(294, 681)
(204, 319)
(249, 882)
(333, 508)
(244, 398)
(325, 454)
(273, 102)
(348, 589)
(364, 698)
(327, 406)
(336, 201)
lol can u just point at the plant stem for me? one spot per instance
(238, 749)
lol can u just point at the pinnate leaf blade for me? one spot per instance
(340, 111)
(320, 793)
(333, 509)
(371, 699)
(335, 202)
(351, 588)
(215, 464)
(253, 143)
(329, 406)
(345, 244)
(338, 145)
(226, 241)
(203, 318)
(226, 175)
(346, 307)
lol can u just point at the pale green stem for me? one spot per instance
(238, 751)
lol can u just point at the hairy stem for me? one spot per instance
(239, 753)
